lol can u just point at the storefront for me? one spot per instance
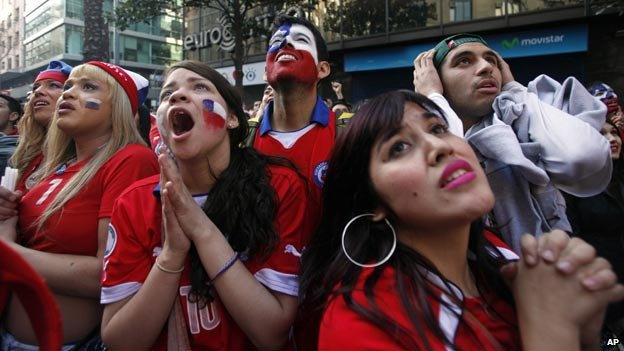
(558, 52)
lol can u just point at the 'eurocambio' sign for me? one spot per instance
(220, 35)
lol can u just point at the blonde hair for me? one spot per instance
(30, 141)
(61, 148)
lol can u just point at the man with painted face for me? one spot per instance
(532, 141)
(296, 124)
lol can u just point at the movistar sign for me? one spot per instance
(547, 41)
(540, 42)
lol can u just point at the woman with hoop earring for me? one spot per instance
(402, 259)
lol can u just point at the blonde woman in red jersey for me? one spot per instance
(93, 152)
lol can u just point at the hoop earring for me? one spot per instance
(369, 265)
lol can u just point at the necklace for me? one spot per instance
(62, 168)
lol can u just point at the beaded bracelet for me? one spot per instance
(168, 270)
(226, 266)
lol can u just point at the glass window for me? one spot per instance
(128, 48)
(74, 9)
(107, 8)
(149, 51)
(165, 54)
(143, 51)
(49, 12)
(74, 39)
(44, 47)
(411, 14)
(357, 18)
(460, 10)
(203, 20)
(532, 5)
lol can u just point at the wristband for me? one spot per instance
(168, 270)
(226, 266)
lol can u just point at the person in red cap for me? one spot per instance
(93, 151)
(33, 125)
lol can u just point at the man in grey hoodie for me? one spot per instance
(532, 141)
(10, 113)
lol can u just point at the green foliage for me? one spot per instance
(366, 17)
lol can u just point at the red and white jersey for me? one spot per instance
(73, 229)
(308, 149)
(342, 328)
(30, 169)
(134, 242)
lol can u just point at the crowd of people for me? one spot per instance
(470, 213)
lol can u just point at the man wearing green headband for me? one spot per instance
(532, 141)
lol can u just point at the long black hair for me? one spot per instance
(242, 202)
(348, 191)
(616, 186)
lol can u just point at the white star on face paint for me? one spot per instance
(300, 37)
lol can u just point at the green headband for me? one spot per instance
(450, 43)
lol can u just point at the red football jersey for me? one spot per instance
(342, 328)
(134, 242)
(73, 229)
(310, 152)
(30, 169)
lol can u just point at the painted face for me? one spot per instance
(428, 177)
(192, 116)
(471, 79)
(292, 56)
(615, 142)
(46, 93)
(85, 107)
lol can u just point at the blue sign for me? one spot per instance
(539, 42)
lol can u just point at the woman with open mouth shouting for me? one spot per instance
(206, 256)
(402, 261)
(93, 152)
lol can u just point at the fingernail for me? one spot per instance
(530, 259)
(590, 282)
(564, 266)
(548, 255)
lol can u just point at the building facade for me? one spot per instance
(11, 35)
(53, 30)
(373, 43)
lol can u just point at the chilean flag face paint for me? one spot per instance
(297, 35)
(214, 114)
(292, 55)
(93, 104)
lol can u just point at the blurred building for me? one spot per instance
(373, 43)
(53, 30)
(11, 33)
